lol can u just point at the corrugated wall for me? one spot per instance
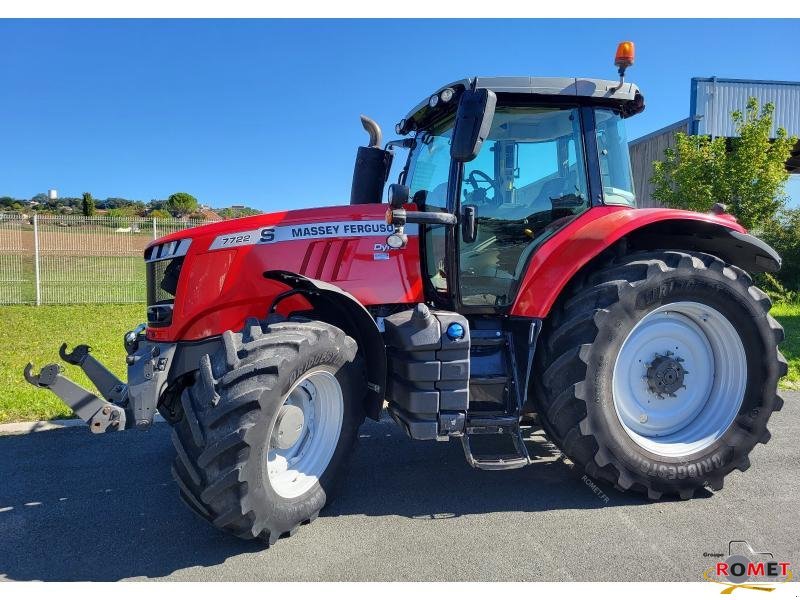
(646, 150)
(715, 99)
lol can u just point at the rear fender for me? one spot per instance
(734, 247)
(335, 306)
(560, 258)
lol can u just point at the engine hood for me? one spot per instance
(300, 216)
(222, 269)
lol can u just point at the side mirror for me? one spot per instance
(469, 224)
(473, 121)
(398, 195)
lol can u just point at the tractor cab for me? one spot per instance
(513, 159)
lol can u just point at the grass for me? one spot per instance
(31, 333)
(788, 315)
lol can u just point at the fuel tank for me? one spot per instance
(215, 281)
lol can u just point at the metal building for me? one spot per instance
(712, 100)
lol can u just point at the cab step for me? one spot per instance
(495, 425)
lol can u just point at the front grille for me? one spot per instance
(162, 280)
(163, 265)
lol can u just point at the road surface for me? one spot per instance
(78, 506)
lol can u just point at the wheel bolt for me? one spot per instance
(643, 418)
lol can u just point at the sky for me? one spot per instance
(266, 113)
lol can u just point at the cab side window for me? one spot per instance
(614, 158)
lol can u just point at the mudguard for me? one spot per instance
(560, 258)
(337, 307)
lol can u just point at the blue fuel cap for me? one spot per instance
(455, 331)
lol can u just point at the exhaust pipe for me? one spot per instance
(372, 167)
(374, 131)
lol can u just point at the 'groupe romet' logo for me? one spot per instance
(748, 569)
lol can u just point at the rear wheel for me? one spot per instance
(268, 427)
(659, 372)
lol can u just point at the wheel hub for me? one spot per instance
(288, 427)
(665, 374)
(652, 398)
(305, 433)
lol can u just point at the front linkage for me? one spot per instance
(122, 406)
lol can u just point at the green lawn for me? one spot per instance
(789, 316)
(31, 333)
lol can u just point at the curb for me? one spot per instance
(24, 427)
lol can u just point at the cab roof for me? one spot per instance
(601, 89)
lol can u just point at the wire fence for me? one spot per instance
(72, 259)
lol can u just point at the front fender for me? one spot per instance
(337, 307)
(557, 261)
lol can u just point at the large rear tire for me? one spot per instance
(268, 426)
(658, 372)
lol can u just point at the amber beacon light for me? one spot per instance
(623, 59)
(624, 56)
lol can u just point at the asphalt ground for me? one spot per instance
(74, 506)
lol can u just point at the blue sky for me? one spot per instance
(265, 113)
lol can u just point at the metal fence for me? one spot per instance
(72, 259)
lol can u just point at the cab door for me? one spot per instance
(528, 180)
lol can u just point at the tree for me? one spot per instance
(181, 204)
(747, 172)
(87, 205)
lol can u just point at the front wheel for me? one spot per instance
(659, 373)
(268, 426)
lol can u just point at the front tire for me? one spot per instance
(617, 392)
(268, 427)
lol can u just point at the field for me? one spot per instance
(34, 334)
(93, 260)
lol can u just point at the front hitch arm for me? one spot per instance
(100, 415)
(121, 405)
(104, 380)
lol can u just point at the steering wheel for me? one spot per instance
(474, 179)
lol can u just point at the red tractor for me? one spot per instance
(510, 280)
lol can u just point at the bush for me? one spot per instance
(159, 213)
(121, 217)
(782, 232)
(747, 172)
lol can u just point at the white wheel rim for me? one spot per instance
(293, 471)
(698, 414)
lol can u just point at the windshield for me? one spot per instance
(429, 167)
